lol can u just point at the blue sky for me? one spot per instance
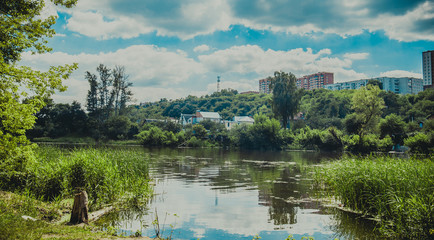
(172, 49)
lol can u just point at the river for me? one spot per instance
(221, 194)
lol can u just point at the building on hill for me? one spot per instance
(315, 81)
(238, 120)
(402, 85)
(264, 86)
(186, 119)
(428, 68)
(200, 116)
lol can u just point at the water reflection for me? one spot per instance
(219, 194)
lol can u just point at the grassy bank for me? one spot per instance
(399, 192)
(45, 187)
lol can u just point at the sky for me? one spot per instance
(175, 48)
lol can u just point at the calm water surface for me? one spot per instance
(219, 194)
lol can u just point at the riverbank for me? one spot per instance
(43, 190)
(23, 217)
(399, 192)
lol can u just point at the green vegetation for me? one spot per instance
(108, 175)
(286, 97)
(399, 192)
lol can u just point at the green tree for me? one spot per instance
(394, 127)
(367, 106)
(92, 94)
(22, 29)
(286, 97)
(199, 131)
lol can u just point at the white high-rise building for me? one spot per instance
(427, 68)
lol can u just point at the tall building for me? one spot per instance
(316, 80)
(402, 85)
(264, 86)
(428, 68)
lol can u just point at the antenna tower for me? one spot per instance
(218, 83)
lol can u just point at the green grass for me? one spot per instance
(400, 192)
(14, 226)
(107, 174)
(44, 189)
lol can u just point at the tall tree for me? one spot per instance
(367, 106)
(286, 96)
(22, 29)
(121, 93)
(106, 80)
(92, 94)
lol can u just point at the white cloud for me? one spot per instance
(149, 67)
(201, 48)
(240, 86)
(161, 73)
(400, 73)
(404, 27)
(253, 59)
(356, 56)
(94, 24)
(107, 19)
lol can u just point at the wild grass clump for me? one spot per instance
(400, 192)
(108, 175)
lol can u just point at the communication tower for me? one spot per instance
(218, 83)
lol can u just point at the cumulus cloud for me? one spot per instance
(252, 58)
(147, 66)
(400, 73)
(93, 24)
(401, 19)
(116, 19)
(356, 56)
(201, 48)
(161, 73)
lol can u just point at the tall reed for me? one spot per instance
(400, 192)
(107, 175)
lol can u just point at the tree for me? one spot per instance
(394, 127)
(286, 97)
(367, 106)
(22, 29)
(375, 82)
(105, 103)
(92, 94)
(110, 95)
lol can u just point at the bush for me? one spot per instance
(420, 142)
(157, 137)
(327, 140)
(369, 143)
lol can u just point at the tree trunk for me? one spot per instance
(80, 210)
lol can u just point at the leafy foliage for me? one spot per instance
(286, 97)
(22, 30)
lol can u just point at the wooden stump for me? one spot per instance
(80, 209)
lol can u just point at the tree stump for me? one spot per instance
(80, 209)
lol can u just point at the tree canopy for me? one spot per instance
(286, 96)
(23, 90)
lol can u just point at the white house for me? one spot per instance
(200, 116)
(238, 120)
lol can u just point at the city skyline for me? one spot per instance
(175, 49)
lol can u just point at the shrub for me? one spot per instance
(369, 143)
(420, 142)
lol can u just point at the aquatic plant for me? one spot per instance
(108, 175)
(399, 192)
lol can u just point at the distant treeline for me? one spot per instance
(329, 120)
